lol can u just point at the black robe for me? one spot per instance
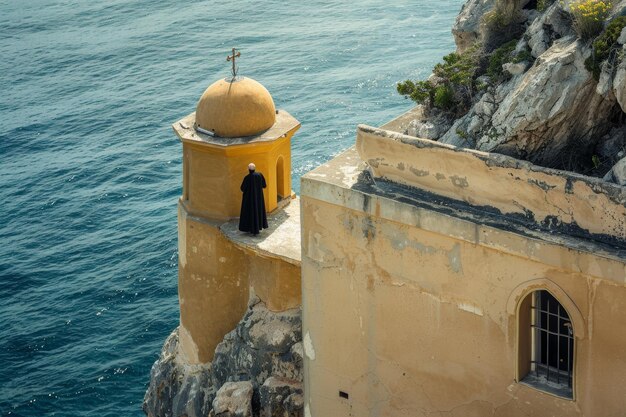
(252, 217)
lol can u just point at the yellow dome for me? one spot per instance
(237, 108)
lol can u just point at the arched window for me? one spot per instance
(186, 168)
(280, 179)
(546, 345)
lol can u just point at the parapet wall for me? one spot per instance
(543, 198)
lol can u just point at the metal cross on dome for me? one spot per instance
(236, 54)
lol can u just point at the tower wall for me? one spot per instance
(213, 175)
(216, 276)
(276, 282)
(213, 286)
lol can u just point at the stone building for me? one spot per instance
(443, 281)
(432, 280)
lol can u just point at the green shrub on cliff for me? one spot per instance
(542, 5)
(604, 45)
(458, 70)
(502, 24)
(452, 86)
(421, 92)
(444, 97)
(589, 16)
(502, 55)
(499, 57)
(524, 55)
(504, 13)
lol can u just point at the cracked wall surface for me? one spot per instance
(407, 303)
(550, 199)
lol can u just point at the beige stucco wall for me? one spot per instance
(212, 176)
(215, 278)
(212, 286)
(412, 312)
(503, 183)
(276, 282)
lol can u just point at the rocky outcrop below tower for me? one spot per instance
(531, 88)
(256, 371)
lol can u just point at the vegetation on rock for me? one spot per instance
(542, 5)
(500, 56)
(552, 115)
(605, 47)
(589, 16)
(504, 13)
(452, 86)
(444, 97)
(421, 92)
(505, 54)
(503, 23)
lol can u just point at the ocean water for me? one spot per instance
(90, 170)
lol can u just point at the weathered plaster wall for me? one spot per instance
(411, 312)
(213, 286)
(216, 275)
(275, 281)
(552, 199)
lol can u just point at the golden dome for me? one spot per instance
(235, 108)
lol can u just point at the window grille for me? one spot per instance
(552, 362)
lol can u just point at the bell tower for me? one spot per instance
(235, 123)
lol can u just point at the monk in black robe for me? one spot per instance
(253, 217)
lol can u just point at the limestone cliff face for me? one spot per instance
(256, 371)
(468, 28)
(538, 114)
(547, 108)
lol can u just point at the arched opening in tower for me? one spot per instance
(280, 179)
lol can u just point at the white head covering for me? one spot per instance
(251, 166)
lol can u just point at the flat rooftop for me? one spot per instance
(281, 240)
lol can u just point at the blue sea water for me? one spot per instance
(90, 170)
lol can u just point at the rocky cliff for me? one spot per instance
(540, 92)
(256, 371)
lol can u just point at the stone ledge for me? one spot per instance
(285, 123)
(281, 240)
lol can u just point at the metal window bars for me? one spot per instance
(554, 341)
